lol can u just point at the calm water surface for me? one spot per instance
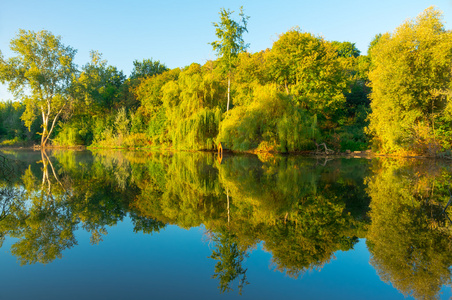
(138, 225)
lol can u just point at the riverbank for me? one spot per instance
(368, 154)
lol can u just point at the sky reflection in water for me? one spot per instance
(176, 262)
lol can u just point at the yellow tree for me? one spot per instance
(40, 75)
(409, 237)
(410, 75)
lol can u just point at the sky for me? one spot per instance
(178, 33)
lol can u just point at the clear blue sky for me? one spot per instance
(177, 32)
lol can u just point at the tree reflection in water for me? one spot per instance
(301, 211)
(410, 236)
(229, 259)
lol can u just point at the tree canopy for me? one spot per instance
(40, 75)
(303, 91)
(230, 43)
(411, 80)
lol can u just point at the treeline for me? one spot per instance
(12, 128)
(304, 90)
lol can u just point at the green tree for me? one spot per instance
(147, 68)
(352, 118)
(99, 93)
(346, 49)
(230, 43)
(40, 75)
(99, 86)
(192, 109)
(269, 123)
(411, 80)
(149, 91)
(309, 70)
(251, 72)
(12, 128)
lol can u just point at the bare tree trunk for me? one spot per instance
(44, 127)
(53, 125)
(46, 132)
(42, 140)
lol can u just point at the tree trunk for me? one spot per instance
(47, 132)
(45, 120)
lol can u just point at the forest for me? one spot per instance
(303, 91)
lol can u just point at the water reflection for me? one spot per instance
(229, 256)
(302, 210)
(410, 234)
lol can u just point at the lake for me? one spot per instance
(182, 225)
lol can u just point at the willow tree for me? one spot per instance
(230, 43)
(40, 75)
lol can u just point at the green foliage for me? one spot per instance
(100, 91)
(230, 43)
(346, 49)
(409, 237)
(115, 132)
(76, 131)
(230, 259)
(149, 91)
(269, 119)
(147, 68)
(297, 131)
(12, 129)
(251, 72)
(411, 79)
(230, 35)
(40, 75)
(99, 88)
(373, 43)
(191, 108)
(308, 68)
(156, 125)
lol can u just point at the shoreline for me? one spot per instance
(367, 154)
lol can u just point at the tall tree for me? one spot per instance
(230, 43)
(100, 86)
(410, 78)
(309, 70)
(40, 75)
